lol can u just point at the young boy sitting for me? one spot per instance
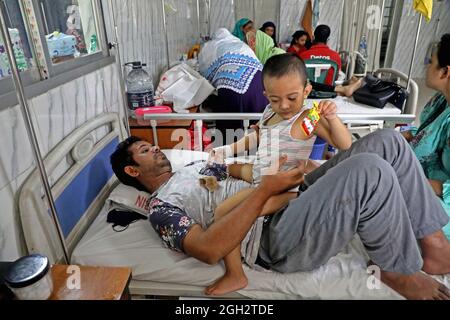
(287, 127)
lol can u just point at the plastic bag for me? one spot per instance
(183, 86)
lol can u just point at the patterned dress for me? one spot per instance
(431, 144)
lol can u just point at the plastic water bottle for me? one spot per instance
(140, 90)
(363, 46)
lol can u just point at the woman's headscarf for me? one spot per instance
(265, 47)
(237, 32)
(274, 36)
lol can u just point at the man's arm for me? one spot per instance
(211, 245)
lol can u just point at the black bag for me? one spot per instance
(123, 219)
(377, 93)
(322, 95)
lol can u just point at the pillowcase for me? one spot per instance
(125, 198)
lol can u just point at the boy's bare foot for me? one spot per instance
(418, 286)
(228, 283)
(436, 254)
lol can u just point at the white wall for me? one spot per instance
(55, 115)
(430, 32)
(140, 27)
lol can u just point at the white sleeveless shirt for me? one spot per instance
(275, 141)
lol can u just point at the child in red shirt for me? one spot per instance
(299, 43)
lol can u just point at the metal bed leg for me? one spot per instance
(154, 124)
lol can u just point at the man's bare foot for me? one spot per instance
(436, 254)
(228, 283)
(418, 286)
(352, 87)
(354, 80)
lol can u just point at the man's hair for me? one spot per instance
(121, 158)
(444, 51)
(322, 34)
(285, 64)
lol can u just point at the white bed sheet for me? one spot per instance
(350, 106)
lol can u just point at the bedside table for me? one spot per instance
(165, 129)
(96, 283)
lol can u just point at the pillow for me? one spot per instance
(125, 198)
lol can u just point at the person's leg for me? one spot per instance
(348, 90)
(359, 195)
(427, 217)
(234, 277)
(425, 211)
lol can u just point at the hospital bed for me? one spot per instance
(81, 181)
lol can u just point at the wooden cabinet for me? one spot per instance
(169, 135)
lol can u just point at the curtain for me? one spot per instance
(357, 16)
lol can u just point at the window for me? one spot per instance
(51, 38)
(18, 35)
(70, 29)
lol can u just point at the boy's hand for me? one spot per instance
(275, 182)
(220, 154)
(328, 109)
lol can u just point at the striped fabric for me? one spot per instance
(276, 141)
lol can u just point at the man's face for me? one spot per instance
(151, 161)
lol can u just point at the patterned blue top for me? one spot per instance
(233, 71)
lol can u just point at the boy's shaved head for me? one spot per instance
(285, 64)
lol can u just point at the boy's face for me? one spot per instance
(286, 94)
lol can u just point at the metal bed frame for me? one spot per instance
(375, 121)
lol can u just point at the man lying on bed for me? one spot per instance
(365, 190)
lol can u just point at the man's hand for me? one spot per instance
(328, 109)
(275, 182)
(437, 186)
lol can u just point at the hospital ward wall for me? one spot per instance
(55, 115)
(430, 32)
(141, 35)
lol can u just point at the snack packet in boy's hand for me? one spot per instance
(309, 124)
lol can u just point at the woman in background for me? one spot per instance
(263, 46)
(270, 29)
(242, 27)
(233, 69)
(300, 42)
(431, 141)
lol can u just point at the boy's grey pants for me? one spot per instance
(377, 190)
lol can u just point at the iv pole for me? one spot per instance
(414, 51)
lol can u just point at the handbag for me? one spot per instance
(377, 93)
